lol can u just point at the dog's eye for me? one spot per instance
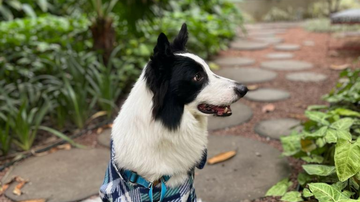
(198, 77)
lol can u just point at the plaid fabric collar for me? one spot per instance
(117, 188)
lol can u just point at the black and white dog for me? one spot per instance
(161, 129)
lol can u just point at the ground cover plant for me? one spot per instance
(57, 72)
(330, 146)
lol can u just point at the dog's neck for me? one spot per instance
(147, 147)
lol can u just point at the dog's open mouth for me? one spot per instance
(216, 110)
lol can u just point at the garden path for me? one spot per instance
(271, 60)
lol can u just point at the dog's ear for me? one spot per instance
(162, 47)
(181, 39)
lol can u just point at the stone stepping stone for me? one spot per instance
(269, 40)
(240, 114)
(247, 176)
(105, 137)
(286, 65)
(267, 95)
(234, 61)
(287, 47)
(275, 128)
(66, 175)
(279, 56)
(306, 77)
(247, 75)
(241, 44)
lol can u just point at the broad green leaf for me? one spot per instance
(318, 117)
(321, 170)
(292, 196)
(339, 185)
(280, 188)
(43, 4)
(319, 133)
(304, 178)
(344, 134)
(326, 193)
(320, 142)
(342, 124)
(291, 144)
(346, 112)
(313, 159)
(331, 136)
(6, 13)
(349, 200)
(347, 159)
(28, 10)
(307, 193)
(347, 193)
(316, 107)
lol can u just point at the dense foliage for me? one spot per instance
(53, 77)
(330, 146)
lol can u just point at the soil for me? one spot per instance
(302, 94)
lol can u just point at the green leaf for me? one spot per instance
(326, 193)
(331, 136)
(28, 10)
(304, 178)
(280, 188)
(313, 159)
(292, 196)
(6, 13)
(347, 159)
(15, 4)
(347, 193)
(43, 4)
(321, 170)
(319, 133)
(291, 144)
(342, 124)
(318, 117)
(316, 107)
(60, 135)
(346, 112)
(307, 193)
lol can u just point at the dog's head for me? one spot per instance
(178, 79)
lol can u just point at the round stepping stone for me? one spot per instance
(267, 95)
(247, 176)
(279, 56)
(269, 40)
(275, 128)
(287, 47)
(248, 45)
(289, 65)
(306, 77)
(66, 175)
(105, 137)
(240, 114)
(247, 75)
(234, 61)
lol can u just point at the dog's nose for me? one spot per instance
(241, 90)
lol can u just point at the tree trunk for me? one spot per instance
(103, 35)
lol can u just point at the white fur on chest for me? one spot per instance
(148, 148)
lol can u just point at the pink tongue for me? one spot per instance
(221, 110)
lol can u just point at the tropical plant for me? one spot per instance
(330, 146)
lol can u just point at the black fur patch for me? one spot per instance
(171, 79)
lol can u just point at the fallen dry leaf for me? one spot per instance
(64, 146)
(221, 157)
(339, 67)
(268, 108)
(298, 116)
(34, 200)
(4, 188)
(99, 130)
(252, 87)
(97, 114)
(21, 183)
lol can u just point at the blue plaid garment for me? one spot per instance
(117, 188)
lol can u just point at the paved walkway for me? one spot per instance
(76, 174)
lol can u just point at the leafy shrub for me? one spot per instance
(330, 145)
